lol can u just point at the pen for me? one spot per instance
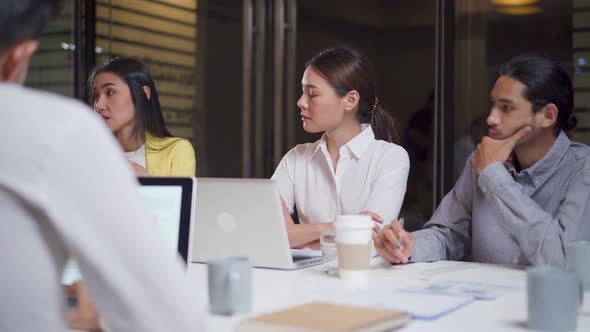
(399, 241)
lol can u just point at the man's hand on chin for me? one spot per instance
(491, 150)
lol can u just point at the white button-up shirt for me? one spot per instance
(370, 175)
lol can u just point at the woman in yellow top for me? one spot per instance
(123, 92)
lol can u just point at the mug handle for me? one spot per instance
(581, 299)
(231, 282)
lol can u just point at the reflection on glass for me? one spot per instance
(488, 33)
(52, 66)
(398, 39)
(163, 36)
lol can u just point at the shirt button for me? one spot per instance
(483, 189)
(515, 261)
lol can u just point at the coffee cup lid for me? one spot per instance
(353, 221)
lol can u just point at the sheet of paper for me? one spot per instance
(475, 289)
(423, 270)
(428, 269)
(509, 277)
(418, 305)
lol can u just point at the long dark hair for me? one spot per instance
(345, 70)
(148, 115)
(546, 82)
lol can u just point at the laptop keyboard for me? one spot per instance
(297, 258)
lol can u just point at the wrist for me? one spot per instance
(324, 226)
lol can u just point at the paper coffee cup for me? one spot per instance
(353, 242)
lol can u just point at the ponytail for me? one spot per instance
(383, 125)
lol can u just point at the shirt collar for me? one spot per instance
(357, 146)
(543, 168)
(321, 144)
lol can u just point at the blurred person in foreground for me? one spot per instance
(67, 191)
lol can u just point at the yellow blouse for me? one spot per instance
(169, 156)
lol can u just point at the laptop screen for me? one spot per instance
(165, 205)
(170, 202)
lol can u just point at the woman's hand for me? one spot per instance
(376, 218)
(303, 235)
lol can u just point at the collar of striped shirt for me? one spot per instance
(544, 168)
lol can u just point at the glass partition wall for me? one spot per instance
(162, 34)
(252, 54)
(488, 33)
(229, 71)
(52, 68)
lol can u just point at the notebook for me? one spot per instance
(323, 316)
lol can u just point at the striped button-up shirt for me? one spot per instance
(507, 217)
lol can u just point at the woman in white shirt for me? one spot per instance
(355, 167)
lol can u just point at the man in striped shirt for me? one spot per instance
(524, 193)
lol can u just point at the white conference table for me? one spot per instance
(276, 289)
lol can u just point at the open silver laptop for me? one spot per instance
(243, 217)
